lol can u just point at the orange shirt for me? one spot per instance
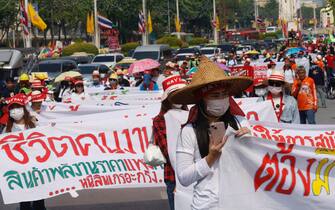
(320, 64)
(306, 94)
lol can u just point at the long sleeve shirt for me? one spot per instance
(305, 94)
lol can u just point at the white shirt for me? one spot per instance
(191, 168)
(289, 76)
(16, 127)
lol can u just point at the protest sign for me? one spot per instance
(261, 174)
(48, 161)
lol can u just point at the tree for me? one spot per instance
(8, 17)
(270, 11)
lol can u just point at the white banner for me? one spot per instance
(48, 161)
(261, 174)
(103, 150)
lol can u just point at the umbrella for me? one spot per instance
(252, 52)
(192, 71)
(71, 74)
(294, 50)
(143, 65)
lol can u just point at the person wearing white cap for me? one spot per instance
(170, 85)
(96, 81)
(285, 106)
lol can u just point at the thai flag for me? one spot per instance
(104, 22)
(259, 20)
(141, 23)
(24, 18)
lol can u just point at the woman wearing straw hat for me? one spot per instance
(197, 151)
(285, 106)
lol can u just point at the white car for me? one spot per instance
(242, 49)
(210, 52)
(109, 60)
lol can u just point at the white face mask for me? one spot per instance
(16, 113)
(275, 90)
(217, 107)
(177, 106)
(260, 91)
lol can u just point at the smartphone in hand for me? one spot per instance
(217, 131)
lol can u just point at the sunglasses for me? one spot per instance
(275, 83)
(79, 85)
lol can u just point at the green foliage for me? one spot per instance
(80, 47)
(270, 11)
(125, 48)
(198, 41)
(273, 35)
(170, 40)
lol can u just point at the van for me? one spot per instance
(161, 53)
(271, 29)
(11, 63)
(109, 59)
(54, 67)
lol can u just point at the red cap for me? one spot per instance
(20, 99)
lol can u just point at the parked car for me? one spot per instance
(54, 67)
(242, 49)
(210, 52)
(87, 69)
(160, 53)
(11, 62)
(271, 29)
(190, 50)
(108, 59)
(226, 48)
(125, 63)
(78, 59)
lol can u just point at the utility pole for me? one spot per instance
(314, 17)
(169, 21)
(177, 8)
(27, 37)
(216, 35)
(145, 34)
(96, 28)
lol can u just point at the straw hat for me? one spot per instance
(208, 77)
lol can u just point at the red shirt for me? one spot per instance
(159, 132)
(330, 61)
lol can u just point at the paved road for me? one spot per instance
(136, 199)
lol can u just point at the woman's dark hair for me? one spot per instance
(201, 127)
(28, 121)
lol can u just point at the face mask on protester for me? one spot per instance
(260, 91)
(217, 107)
(275, 90)
(16, 113)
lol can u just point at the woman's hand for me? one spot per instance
(214, 150)
(242, 131)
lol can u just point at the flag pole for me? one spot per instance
(145, 34)
(96, 28)
(177, 9)
(216, 37)
(27, 37)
